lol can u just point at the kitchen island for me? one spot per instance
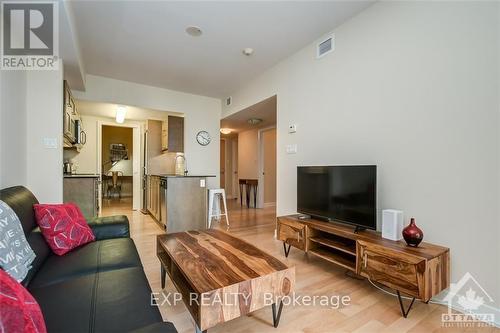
(178, 203)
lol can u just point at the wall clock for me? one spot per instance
(203, 138)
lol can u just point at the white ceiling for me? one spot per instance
(74, 71)
(264, 110)
(146, 42)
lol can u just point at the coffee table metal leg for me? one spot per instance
(163, 276)
(276, 317)
(286, 249)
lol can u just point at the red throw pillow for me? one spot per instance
(19, 312)
(63, 226)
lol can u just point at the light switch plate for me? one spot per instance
(202, 183)
(291, 149)
(50, 143)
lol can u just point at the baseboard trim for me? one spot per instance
(270, 204)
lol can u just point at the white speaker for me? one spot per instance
(392, 224)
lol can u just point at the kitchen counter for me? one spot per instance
(80, 176)
(178, 203)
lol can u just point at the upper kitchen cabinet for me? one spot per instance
(73, 134)
(69, 111)
(172, 135)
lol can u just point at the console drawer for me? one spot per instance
(292, 232)
(391, 269)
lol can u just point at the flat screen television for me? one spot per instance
(345, 194)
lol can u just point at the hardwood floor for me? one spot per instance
(370, 310)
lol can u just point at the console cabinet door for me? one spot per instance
(293, 233)
(393, 269)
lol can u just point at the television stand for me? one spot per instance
(419, 272)
(358, 229)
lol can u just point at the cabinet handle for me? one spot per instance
(366, 260)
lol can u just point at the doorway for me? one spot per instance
(119, 164)
(249, 137)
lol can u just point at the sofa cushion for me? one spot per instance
(63, 226)
(21, 200)
(42, 251)
(99, 256)
(16, 254)
(110, 227)
(19, 312)
(113, 301)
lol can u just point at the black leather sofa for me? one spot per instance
(99, 287)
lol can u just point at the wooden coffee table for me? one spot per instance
(221, 277)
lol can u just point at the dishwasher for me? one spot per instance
(163, 202)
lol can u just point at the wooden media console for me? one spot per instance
(419, 272)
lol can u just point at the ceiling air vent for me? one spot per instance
(228, 101)
(325, 46)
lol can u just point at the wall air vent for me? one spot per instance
(325, 46)
(228, 101)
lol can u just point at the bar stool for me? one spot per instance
(212, 194)
(252, 185)
(243, 185)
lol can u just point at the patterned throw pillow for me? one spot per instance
(19, 312)
(16, 254)
(63, 226)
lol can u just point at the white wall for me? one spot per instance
(13, 127)
(412, 87)
(45, 120)
(248, 154)
(31, 110)
(201, 113)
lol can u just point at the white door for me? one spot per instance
(269, 166)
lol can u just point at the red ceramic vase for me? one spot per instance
(412, 234)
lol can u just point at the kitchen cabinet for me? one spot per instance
(153, 197)
(69, 110)
(73, 134)
(172, 135)
(164, 135)
(84, 191)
